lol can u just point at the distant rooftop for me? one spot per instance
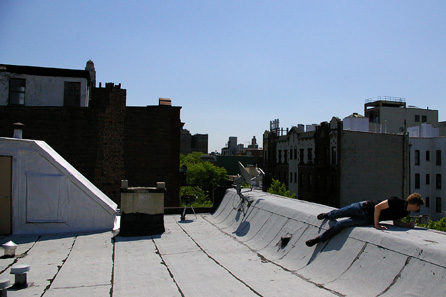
(386, 101)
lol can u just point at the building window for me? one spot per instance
(424, 119)
(438, 205)
(438, 182)
(428, 155)
(295, 153)
(417, 157)
(417, 118)
(17, 88)
(301, 180)
(427, 202)
(72, 94)
(291, 154)
(428, 179)
(333, 155)
(417, 181)
(291, 177)
(438, 158)
(301, 156)
(310, 156)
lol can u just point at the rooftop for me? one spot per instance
(388, 101)
(45, 71)
(250, 251)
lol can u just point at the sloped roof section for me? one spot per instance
(49, 195)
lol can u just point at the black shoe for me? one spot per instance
(313, 241)
(322, 216)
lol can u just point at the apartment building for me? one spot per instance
(427, 169)
(275, 165)
(333, 166)
(193, 143)
(392, 115)
(231, 147)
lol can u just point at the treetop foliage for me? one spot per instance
(279, 188)
(202, 174)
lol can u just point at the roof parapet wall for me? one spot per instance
(400, 261)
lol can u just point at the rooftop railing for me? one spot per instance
(386, 98)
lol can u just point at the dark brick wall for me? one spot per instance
(108, 142)
(109, 104)
(72, 132)
(152, 148)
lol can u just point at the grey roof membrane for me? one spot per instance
(238, 251)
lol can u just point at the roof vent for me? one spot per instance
(9, 248)
(18, 130)
(20, 271)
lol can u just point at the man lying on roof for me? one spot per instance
(368, 213)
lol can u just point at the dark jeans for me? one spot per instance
(356, 214)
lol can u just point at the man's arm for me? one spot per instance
(378, 208)
(402, 224)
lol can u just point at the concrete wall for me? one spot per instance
(372, 167)
(392, 119)
(49, 195)
(42, 90)
(360, 261)
(424, 130)
(356, 124)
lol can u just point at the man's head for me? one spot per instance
(414, 201)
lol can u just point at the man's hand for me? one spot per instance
(380, 227)
(402, 224)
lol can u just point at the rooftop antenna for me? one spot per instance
(238, 182)
(252, 175)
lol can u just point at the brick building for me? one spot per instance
(104, 139)
(193, 143)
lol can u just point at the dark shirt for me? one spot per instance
(397, 210)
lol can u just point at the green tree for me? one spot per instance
(192, 158)
(202, 199)
(436, 225)
(203, 175)
(439, 225)
(279, 188)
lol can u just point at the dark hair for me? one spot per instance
(415, 198)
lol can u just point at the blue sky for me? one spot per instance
(234, 66)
